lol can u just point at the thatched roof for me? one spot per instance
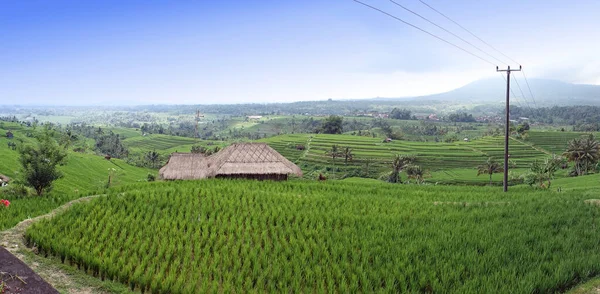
(237, 159)
(251, 158)
(4, 178)
(184, 166)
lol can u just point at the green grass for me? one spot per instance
(588, 183)
(554, 142)
(157, 142)
(83, 174)
(348, 237)
(125, 132)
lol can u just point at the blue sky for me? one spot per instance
(204, 52)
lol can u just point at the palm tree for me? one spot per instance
(334, 153)
(415, 172)
(398, 164)
(347, 153)
(153, 157)
(490, 167)
(368, 162)
(590, 151)
(584, 152)
(573, 153)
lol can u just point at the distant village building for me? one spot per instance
(241, 160)
(433, 117)
(254, 116)
(9, 135)
(466, 139)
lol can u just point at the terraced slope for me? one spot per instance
(554, 142)
(158, 142)
(430, 155)
(83, 174)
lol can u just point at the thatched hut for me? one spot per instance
(241, 160)
(9, 135)
(184, 166)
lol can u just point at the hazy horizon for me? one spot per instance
(232, 52)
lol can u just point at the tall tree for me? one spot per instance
(332, 125)
(39, 162)
(400, 113)
(490, 167)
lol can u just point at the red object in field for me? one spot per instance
(6, 203)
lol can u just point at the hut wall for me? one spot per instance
(260, 177)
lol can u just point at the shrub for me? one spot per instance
(151, 178)
(15, 190)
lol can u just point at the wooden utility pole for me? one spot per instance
(507, 126)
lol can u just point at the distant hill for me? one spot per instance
(546, 92)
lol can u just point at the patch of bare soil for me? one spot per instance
(593, 202)
(14, 242)
(17, 277)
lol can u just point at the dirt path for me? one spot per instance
(307, 147)
(55, 274)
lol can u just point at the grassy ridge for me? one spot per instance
(83, 174)
(156, 142)
(331, 237)
(554, 142)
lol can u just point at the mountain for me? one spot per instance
(545, 92)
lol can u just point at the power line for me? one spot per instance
(532, 97)
(489, 45)
(472, 34)
(522, 95)
(516, 98)
(447, 31)
(424, 31)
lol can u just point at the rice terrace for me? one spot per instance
(299, 147)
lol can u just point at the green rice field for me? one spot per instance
(158, 142)
(554, 142)
(435, 157)
(342, 236)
